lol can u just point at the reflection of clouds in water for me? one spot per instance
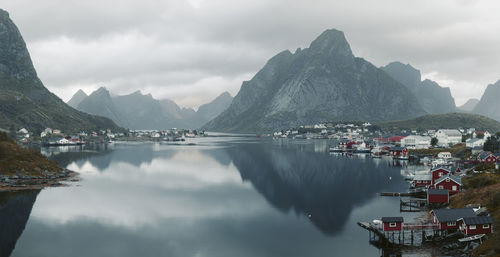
(176, 187)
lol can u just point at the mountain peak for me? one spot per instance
(331, 41)
(404, 73)
(4, 13)
(77, 98)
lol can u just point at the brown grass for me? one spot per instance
(483, 189)
(25, 161)
(453, 150)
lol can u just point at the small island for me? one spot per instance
(23, 168)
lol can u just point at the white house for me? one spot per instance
(448, 137)
(416, 142)
(444, 155)
(474, 142)
(485, 133)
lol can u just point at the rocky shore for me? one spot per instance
(46, 179)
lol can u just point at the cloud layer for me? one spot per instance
(191, 51)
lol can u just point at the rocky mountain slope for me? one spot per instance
(24, 100)
(324, 82)
(469, 105)
(489, 105)
(139, 111)
(431, 96)
(77, 98)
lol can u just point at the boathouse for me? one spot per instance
(392, 223)
(476, 225)
(438, 196)
(447, 218)
(451, 182)
(420, 180)
(398, 152)
(438, 173)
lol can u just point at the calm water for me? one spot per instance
(223, 197)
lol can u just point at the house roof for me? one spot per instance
(450, 132)
(478, 220)
(440, 168)
(446, 215)
(484, 154)
(392, 219)
(422, 177)
(450, 176)
(432, 191)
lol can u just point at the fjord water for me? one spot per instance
(220, 197)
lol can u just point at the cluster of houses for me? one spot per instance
(444, 181)
(465, 220)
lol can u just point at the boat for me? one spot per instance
(471, 238)
(336, 149)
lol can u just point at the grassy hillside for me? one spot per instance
(448, 120)
(16, 160)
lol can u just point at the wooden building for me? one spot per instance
(392, 223)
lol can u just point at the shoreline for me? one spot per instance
(28, 182)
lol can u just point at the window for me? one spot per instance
(441, 187)
(471, 227)
(452, 224)
(486, 225)
(454, 188)
(392, 225)
(440, 174)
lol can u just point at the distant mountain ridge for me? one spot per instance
(139, 111)
(431, 96)
(448, 120)
(24, 100)
(77, 98)
(469, 105)
(324, 82)
(489, 105)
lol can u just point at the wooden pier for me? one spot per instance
(411, 234)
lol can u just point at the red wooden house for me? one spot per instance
(486, 157)
(392, 223)
(451, 182)
(421, 180)
(447, 218)
(476, 225)
(438, 196)
(398, 152)
(438, 173)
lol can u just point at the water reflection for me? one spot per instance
(224, 197)
(15, 209)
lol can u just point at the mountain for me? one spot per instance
(24, 100)
(448, 120)
(99, 103)
(139, 111)
(324, 82)
(77, 98)
(469, 105)
(431, 96)
(217, 106)
(489, 104)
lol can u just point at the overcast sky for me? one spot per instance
(193, 50)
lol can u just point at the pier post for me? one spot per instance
(411, 236)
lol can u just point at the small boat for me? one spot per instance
(336, 149)
(471, 238)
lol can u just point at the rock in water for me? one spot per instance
(324, 82)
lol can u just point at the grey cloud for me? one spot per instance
(164, 45)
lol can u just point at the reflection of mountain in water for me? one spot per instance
(323, 186)
(101, 156)
(15, 209)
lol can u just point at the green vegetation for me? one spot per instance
(448, 120)
(453, 150)
(492, 143)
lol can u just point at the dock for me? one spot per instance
(411, 234)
